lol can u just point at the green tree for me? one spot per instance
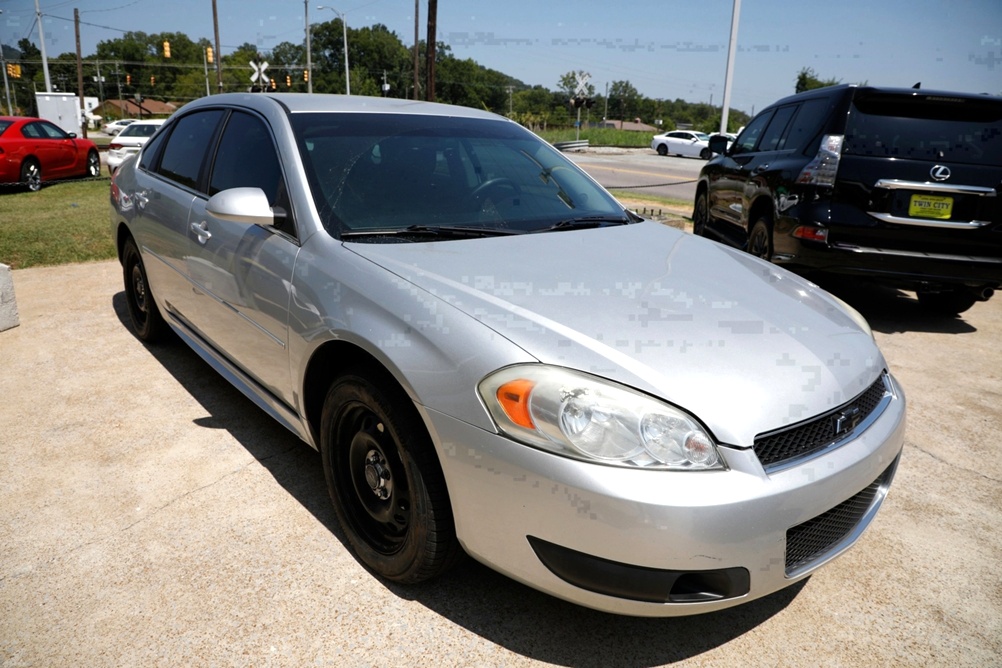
(807, 79)
(624, 99)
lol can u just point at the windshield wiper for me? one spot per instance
(437, 231)
(585, 222)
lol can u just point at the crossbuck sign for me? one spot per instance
(258, 72)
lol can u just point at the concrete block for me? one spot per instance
(8, 304)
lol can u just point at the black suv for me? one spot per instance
(898, 185)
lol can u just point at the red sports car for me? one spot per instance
(33, 150)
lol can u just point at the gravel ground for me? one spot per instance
(151, 516)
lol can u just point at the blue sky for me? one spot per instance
(665, 48)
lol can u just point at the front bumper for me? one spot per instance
(652, 543)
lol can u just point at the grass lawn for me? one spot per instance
(64, 222)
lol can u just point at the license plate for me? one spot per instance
(930, 206)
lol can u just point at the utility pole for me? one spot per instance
(219, 54)
(309, 48)
(80, 89)
(417, 39)
(41, 44)
(6, 84)
(430, 51)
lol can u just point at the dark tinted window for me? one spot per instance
(773, 134)
(806, 124)
(32, 130)
(932, 128)
(4, 125)
(151, 151)
(187, 146)
(51, 131)
(749, 136)
(246, 158)
(391, 171)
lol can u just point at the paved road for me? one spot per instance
(152, 516)
(618, 168)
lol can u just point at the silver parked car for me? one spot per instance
(495, 358)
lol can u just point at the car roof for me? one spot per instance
(856, 89)
(296, 103)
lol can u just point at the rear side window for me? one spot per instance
(773, 135)
(151, 151)
(806, 124)
(930, 128)
(187, 146)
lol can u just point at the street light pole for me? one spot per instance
(6, 85)
(344, 32)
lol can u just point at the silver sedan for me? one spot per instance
(496, 359)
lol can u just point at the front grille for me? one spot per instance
(811, 540)
(807, 438)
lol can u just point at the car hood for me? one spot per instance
(743, 345)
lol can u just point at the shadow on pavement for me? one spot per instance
(472, 596)
(889, 310)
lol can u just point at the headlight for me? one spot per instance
(585, 417)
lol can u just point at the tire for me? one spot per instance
(385, 481)
(31, 175)
(700, 215)
(93, 164)
(705, 154)
(760, 239)
(948, 303)
(662, 149)
(147, 323)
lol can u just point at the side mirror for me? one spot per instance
(718, 144)
(242, 205)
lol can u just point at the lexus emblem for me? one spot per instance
(940, 173)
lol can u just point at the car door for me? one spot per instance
(241, 273)
(167, 182)
(728, 176)
(55, 149)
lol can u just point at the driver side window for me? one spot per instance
(746, 141)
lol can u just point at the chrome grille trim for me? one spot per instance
(896, 184)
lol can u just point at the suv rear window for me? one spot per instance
(933, 128)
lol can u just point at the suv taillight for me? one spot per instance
(822, 169)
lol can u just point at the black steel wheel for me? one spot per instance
(760, 239)
(662, 149)
(31, 175)
(147, 322)
(705, 154)
(385, 482)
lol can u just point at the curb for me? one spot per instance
(8, 303)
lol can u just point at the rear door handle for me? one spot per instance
(202, 231)
(761, 168)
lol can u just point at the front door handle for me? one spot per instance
(202, 231)
(761, 168)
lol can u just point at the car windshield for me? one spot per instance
(421, 174)
(702, 136)
(961, 130)
(139, 130)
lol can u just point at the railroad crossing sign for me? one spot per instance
(258, 75)
(582, 78)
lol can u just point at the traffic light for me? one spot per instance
(166, 49)
(128, 79)
(153, 81)
(13, 71)
(288, 81)
(306, 75)
(273, 84)
(208, 54)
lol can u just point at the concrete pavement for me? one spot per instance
(152, 516)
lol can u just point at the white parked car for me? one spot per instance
(682, 142)
(114, 127)
(129, 141)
